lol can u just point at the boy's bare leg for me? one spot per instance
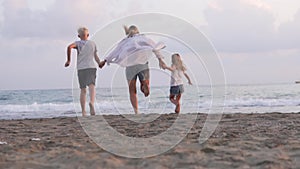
(133, 96)
(92, 92)
(82, 101)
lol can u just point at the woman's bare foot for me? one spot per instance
(145, 89)
(92, 109)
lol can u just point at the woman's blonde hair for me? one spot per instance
(132, 30)
(176, 60)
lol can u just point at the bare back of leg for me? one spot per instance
(133, 96)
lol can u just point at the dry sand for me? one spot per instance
(240, 141)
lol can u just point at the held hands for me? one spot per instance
(162, 64)
(101, 64)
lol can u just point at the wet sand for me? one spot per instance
(270, 140)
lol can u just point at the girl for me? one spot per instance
(177, 72)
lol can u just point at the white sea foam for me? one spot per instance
(35, 107)
(260, 102)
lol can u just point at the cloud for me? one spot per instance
(258, 4)
(262, 67)
(23, 29)
(249, 26)
(56, 22)
(33, 42)
(288, 33)
(240, 26)
(61, 18)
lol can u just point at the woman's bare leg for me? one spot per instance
(133, 96)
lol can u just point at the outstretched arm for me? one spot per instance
(69, 49)
(156, 50)
(172, 68)
(188, 78)
(162, 64)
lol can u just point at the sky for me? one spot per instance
(256, 40)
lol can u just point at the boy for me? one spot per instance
(86, 53)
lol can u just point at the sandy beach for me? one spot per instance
(270, 140)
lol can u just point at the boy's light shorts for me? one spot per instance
(140, 70)
(86, 77)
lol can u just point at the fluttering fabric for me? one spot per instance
(137, 49)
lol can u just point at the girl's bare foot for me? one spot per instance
(177, 109)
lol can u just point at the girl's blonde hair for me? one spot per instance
(176, 60)
(132, 30)
(81, 30)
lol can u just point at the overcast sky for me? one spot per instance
(258, 41)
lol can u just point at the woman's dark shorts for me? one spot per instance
(86, 77)
(175, 90)
(140, 70)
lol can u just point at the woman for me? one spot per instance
(133, 52)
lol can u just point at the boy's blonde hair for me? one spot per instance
(81, 30)
(132, 30)
(176, 60)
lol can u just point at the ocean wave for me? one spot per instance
(261, 102)
(109, 105)
(159, 105)
(36, 107)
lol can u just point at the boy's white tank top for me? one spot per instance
(85, 54)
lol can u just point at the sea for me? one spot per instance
(259, 98)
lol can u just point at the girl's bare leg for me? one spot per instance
(172, 99)
(82, 101)
(133, 96)
(92, 92)
(177, 109)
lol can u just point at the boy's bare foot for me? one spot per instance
(145, 89)
(92, 109)
(177, 109)
(83, 113)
